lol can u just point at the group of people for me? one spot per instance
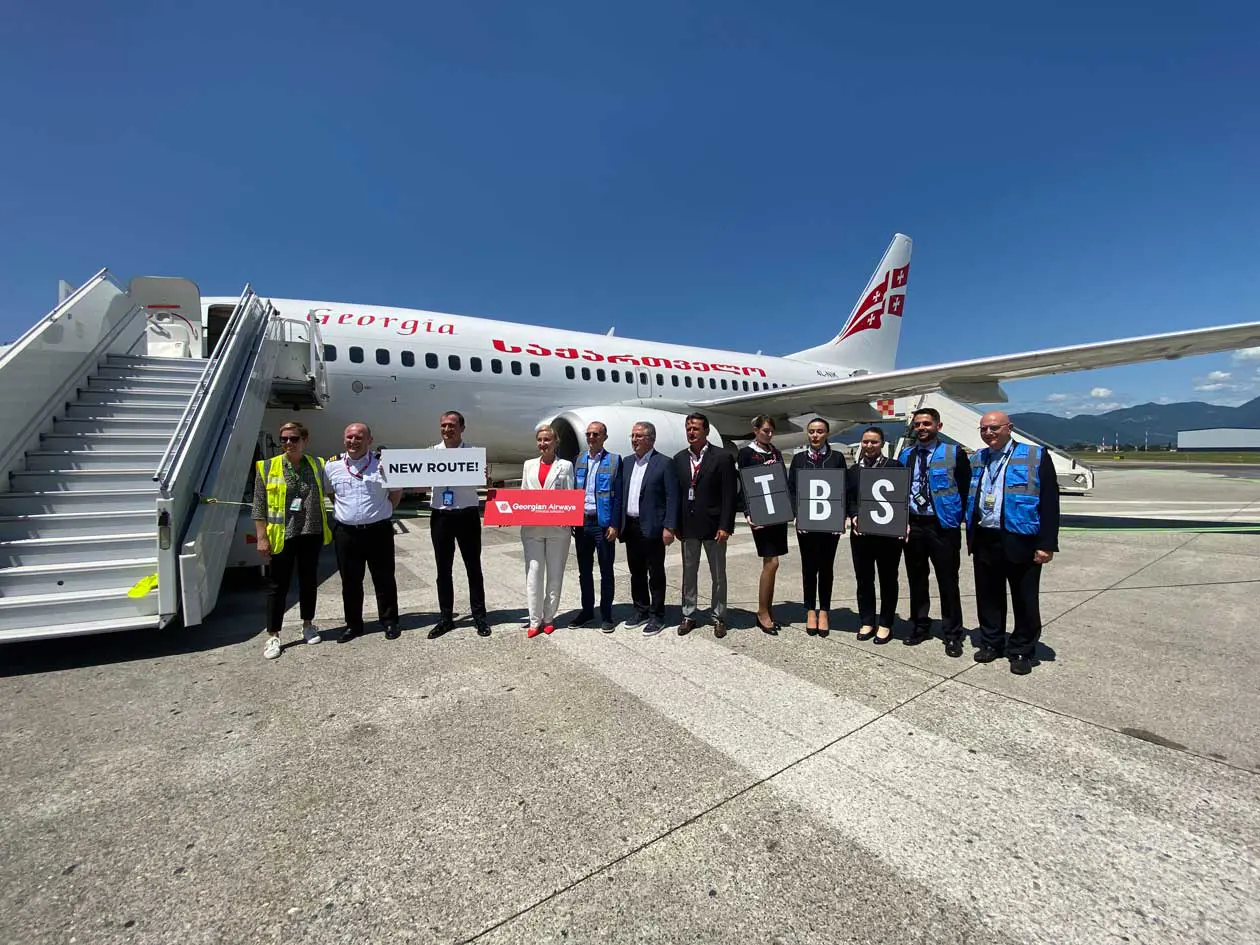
(1005, 496)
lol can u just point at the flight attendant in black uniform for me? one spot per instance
(818, 549)
(771, 540)
(873, 553)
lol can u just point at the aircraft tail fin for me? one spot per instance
(868, 340)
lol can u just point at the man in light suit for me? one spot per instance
(1012, 530)
(707, 484)
(648, 516)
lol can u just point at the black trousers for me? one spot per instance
(872, 553)
(447, 527)
(995, 571)
(300, 554)
(818, 560)
(371, 547)
(592, 543)
(928, 543)
(646, 560)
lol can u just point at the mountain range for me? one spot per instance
(1159, 422)
(1156, 424)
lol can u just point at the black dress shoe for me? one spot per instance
(916, 637)
(581, 620)
(483, 628)
(986, 654)
(392, 632)
(953, 647)
(1021, 665)
(772, 630)
(867, 635)
(685, 626)
(445, 625)
(719, 629)
(824, 631)
(349, 634)
(811, 631)
(637, 620)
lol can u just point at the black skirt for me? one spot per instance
(771, 541)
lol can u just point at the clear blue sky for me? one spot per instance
(723, 172)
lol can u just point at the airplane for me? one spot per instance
(398, 369)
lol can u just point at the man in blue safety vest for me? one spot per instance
(598, 474)
(939, 475)
(1012, 530)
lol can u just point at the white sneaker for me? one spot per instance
(272, 649)
(311, 634)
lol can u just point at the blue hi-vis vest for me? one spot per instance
(605, 474)
(1021, 488)
(945, 498)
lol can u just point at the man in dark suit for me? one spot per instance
(648, 516)
(706, 485)
(1012, 530)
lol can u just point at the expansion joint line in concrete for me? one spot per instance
(712, 809)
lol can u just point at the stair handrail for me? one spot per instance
(176, 448)
(28, 336)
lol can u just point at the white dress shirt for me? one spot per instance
(465, 497)
(636, 483)
(360, 495)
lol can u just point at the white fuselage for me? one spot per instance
(399, 369)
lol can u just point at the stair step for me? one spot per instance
(66, 614)
(112, 378)
(69, 503)
(83, 480)
(169, 413)
(53, 525)
(71, 425)
(148, 364)
(103, 442)
(73, 578)
(54, 460)
(134, 396)
(68, 550)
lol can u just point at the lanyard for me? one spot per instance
(695, 463)
(352, 471)
(991, 478)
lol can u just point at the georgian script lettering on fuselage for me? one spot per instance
(635, 360)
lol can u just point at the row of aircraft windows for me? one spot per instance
(600, 375)
(475, 364)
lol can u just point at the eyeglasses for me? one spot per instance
(992, 427)
(290, 439)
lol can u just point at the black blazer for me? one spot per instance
(853, 479)
(716, 485)
(833, 460)
(658, 500)
(1021, 547)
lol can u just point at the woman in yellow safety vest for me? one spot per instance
(291, 525)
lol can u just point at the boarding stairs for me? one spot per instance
(103, 523)
(962, 425)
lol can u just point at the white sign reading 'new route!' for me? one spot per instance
(413, 469)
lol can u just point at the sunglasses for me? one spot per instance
(992, 427)
(290, 439)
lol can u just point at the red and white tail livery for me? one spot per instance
(869, 338)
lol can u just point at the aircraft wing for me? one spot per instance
(978, 380)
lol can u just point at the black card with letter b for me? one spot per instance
(883, 496)
(820, 500)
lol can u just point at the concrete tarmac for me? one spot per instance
(175, 787)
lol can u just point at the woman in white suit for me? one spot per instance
(546, 546)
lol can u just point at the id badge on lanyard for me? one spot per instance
(695, 472)
(295, 505)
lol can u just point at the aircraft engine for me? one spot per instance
(671, 436)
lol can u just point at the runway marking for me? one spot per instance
(1042, 860)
